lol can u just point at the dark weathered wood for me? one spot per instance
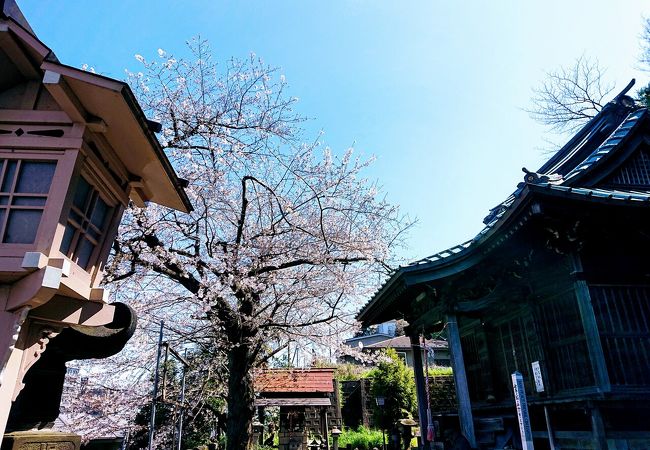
(623, 317)
(460, 379)
(598, 429)
(549, 428)
(596, 355)
(420, 389)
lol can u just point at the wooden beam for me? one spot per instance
(64, 96)
(97, 125)
(588, 318)
(428, 320)
(460, 380)
(598, 429)
(35, 289)
(72, 311)
(420, 386)
(36, 117)
(16, 54)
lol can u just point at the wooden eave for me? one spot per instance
(90, 98)
(35, 50)
(103, 104)
(408, 277)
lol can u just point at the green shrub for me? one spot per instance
(361, 438)
(395, 382)
(439, 371)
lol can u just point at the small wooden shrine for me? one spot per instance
(308, 401)
(555, 287)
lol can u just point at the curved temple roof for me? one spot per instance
(569, 173)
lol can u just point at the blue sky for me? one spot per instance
(434, 89)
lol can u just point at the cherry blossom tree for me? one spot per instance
(286, 237)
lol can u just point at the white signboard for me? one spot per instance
(537, 375)
(522, 411)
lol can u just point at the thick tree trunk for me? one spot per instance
(241, 398)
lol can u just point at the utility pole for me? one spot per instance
(152, 422)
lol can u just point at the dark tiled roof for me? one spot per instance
(605, 194)
(404, 342)
(618, 136)
(295, 381)
(366, 336)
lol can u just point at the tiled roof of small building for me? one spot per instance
(294, 381)
(404, 342)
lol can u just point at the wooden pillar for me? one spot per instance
(365, 417)
(549, 429)
(326, 429)
(598, 429)
(460, 380)
(588, 318)
(420, 389)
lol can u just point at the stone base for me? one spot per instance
(41, 440)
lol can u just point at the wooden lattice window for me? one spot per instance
(473, 368)
(569, 366)
(86, 226)
(515, 347)
(623, 317)
(24, 187)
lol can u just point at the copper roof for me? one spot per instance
(295, 381)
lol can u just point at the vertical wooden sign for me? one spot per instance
(522, 411)
(537, 376)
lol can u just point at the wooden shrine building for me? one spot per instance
(556, 285)
(308, 400)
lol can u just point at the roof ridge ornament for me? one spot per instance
(625, 90)
(536, 178)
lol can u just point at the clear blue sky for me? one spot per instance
(435, 89)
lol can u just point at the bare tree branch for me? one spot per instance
(569, 97)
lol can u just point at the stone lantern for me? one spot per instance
(75, 148)
(258, 432)
(336, 433)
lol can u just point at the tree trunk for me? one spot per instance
(241, 398)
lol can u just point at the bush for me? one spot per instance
(395, 382)
(361, 438)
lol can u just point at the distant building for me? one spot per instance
(437, 350)
(383, 337)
